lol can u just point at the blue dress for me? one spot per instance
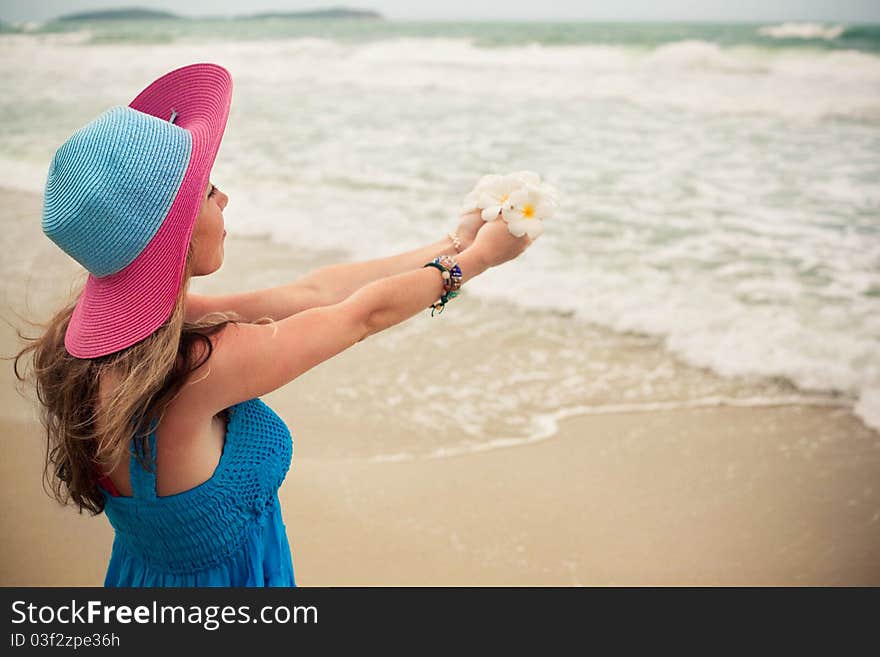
(227, 531)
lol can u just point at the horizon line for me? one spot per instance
(740, 21)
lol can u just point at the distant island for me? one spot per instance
(136, 14)
(131, 14)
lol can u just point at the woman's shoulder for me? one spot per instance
(209, 372)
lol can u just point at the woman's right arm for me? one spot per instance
(391, 300)
(250, 360)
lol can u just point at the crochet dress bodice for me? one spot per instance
(227, 531)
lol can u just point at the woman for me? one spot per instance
(150, 395)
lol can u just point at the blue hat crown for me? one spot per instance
(110, 186)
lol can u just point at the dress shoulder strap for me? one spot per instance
(143, 482)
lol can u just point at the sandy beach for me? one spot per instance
(783, 494)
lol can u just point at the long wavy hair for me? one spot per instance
(84, 438)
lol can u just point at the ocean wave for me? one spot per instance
(24, 39)
(546, 425)
(868, 407)
(696, 55)
(802, 31)
(25, 27)
(693, 54)
(131, 39)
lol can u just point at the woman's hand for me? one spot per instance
(468, 227)
(496, 245)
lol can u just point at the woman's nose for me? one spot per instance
(224, 200)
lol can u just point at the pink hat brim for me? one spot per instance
(119, 310)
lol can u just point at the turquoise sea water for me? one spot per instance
(719, 184)
(861, 37)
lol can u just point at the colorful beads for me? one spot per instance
(452, 279)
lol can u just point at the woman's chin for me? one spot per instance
(206, 271)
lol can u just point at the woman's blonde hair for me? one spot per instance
(84, 439)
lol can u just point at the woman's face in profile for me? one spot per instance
(209, 232)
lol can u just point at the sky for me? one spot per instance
(512, 10)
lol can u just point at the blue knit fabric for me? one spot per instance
(227, 531)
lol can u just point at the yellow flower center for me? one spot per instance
(529, 212)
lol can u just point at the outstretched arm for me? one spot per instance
(338, 282)
(327, 285)
(322, 287)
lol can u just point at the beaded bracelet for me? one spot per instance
(456, 241)
(451, 280)
(454, 282)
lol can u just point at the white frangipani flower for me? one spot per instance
(525, 208)
(519, 198)
(471, 201)
(490, 194)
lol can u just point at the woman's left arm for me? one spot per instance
(338, 282)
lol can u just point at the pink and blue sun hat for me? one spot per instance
(122, 196)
